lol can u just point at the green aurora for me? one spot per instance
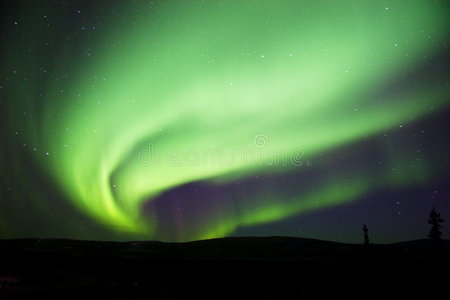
(263, 87)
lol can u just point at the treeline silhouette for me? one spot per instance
(435, 233)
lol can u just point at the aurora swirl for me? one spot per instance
(208, 94)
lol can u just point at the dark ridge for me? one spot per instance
(225, 268)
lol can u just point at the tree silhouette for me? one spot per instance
(366, 235)
(435, 221)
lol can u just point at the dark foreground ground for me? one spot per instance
(230, 268)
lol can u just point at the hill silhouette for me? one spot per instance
(255, 267)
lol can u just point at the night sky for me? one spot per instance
(186, 120)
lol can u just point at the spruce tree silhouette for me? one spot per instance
(435, 221)
(366, 235)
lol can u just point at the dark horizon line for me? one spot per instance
(213, 239)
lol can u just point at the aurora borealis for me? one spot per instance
(185, 120)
